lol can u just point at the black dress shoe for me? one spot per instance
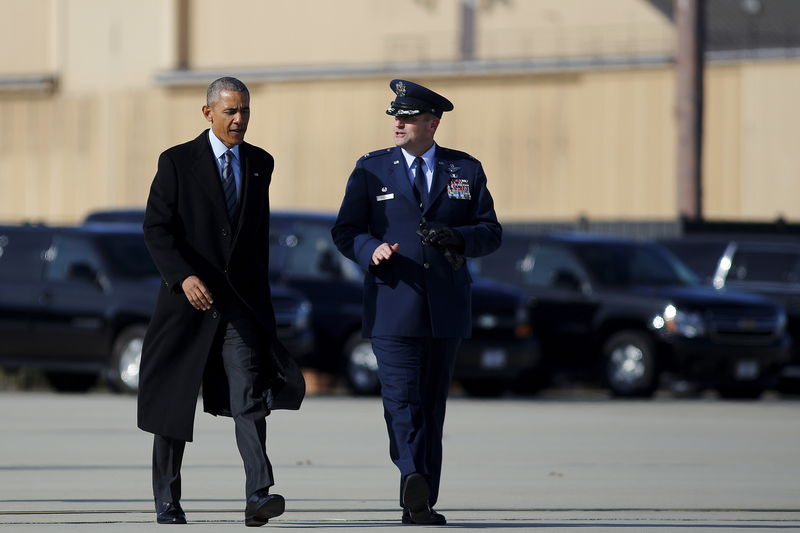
(169, 513)
(261, 506)
(437, 519)
(416, 508)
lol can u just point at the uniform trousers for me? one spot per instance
(415, 375)
(244, 366)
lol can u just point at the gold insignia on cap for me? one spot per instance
(400, 88)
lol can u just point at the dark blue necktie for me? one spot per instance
(420, 184)
(229, 187)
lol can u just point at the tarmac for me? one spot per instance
(561, 463)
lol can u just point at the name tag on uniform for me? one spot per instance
(382, 197)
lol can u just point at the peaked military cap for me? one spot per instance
(412, 99)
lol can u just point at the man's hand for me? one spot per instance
(446, 238)
(197, 293)
(383, 252)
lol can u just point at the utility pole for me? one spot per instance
(467, 30)
(690, 26)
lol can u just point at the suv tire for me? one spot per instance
(361, 366)
(630, 364)
(126, 355)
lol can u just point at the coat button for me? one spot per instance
(214, 314)
(224, 232)
(426, 265)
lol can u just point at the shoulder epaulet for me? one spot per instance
(376, 153)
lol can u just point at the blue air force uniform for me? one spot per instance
(417, 306)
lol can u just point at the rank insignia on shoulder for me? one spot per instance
(458, 189)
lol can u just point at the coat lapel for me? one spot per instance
(250, 196)
(206, 175)
(440, 179)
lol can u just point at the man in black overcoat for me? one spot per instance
(409, 216)
(206, 226)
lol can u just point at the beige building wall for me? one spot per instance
(28, 37)
(555, 145)
(357, 32)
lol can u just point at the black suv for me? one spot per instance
(75, 302)
(630, 313)
(503, 352)
(770, 267)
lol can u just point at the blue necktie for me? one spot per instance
(420, 184)
(229, 187)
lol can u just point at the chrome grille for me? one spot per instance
(752, 325)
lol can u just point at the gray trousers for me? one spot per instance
(244, 365)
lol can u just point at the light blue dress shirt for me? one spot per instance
(427, 158)
(219, 152)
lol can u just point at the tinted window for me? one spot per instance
(66, 255)
(765, 266)
(22, 254)
(549, 265)
(511, 262)
(701, 257)
(127, 255)
(306, 249)
(632, 264)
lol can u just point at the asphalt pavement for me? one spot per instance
(562, 464)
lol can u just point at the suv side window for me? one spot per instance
(550, 265)
(311, 252)
(67, 255)
(765, 266)
(22, 254)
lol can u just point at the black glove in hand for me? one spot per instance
(446, 238)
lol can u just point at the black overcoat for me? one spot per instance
(188, 232)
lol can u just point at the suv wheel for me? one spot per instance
(630, 364)
(126, 355)
(361, 368)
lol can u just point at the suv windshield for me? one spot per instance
(633, 264)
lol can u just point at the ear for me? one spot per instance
(207, 113)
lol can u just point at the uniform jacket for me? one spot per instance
(188, 232)
(417, 282)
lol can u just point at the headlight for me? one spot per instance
(781, 322)
(686, 323)
(303, 318)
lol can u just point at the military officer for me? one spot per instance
(409, 216)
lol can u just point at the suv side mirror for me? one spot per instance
(564, 279)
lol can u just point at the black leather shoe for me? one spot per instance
(169, 513)
(437, 519)
(415, 502)
(261, 506)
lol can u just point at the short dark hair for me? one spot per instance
(226, 83)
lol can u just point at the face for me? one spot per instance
(229, 116)
(415, 134)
